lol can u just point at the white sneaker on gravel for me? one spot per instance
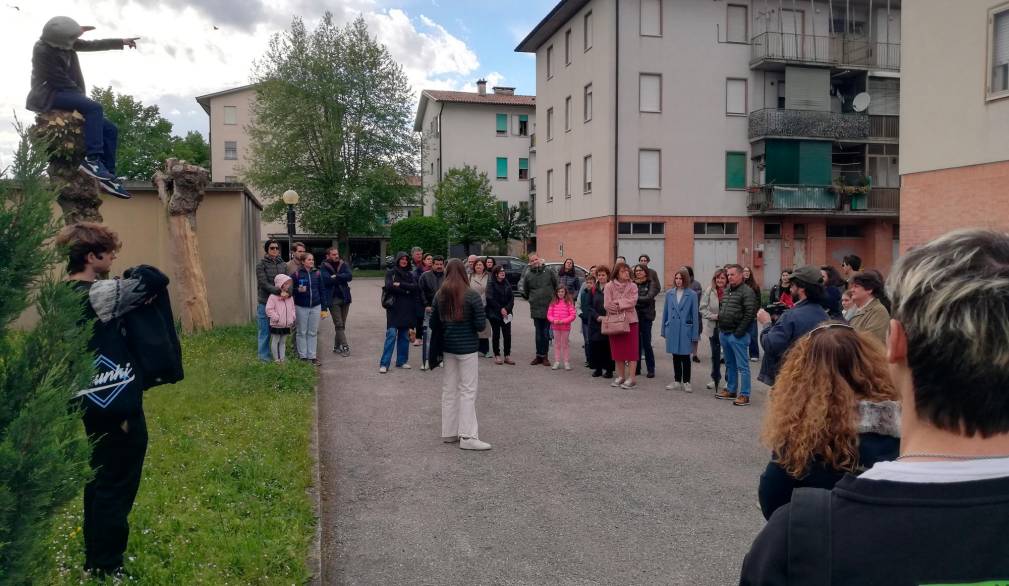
(567, 366)
(556, 366)
(383, 369)
(423, 365)
(617, 382)
(472, 443)
(687, 389)
(405, 367)
(710, 385)
(673, 386)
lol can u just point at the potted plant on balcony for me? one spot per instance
(851, 192)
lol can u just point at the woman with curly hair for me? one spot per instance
(834, 410)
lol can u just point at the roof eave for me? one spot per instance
(418, 122)
(535, 39)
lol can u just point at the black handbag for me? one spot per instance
(388, 300)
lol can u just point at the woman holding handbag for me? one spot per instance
(621, 325)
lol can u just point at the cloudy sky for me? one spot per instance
(445, 44)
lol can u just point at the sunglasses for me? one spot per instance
(274, 248)
(827, 327)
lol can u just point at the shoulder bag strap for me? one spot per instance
(809, 537)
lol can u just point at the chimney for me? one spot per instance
(481, 87)
(504, 91)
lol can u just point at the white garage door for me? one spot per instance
(772, 262)
(633, 248)
(711, 254)
(799, 258)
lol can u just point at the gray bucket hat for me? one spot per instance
(62, 32)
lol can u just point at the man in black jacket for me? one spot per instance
(58, 84)
(430, 282)
(336, 278)
(939, 514)
(736, 312)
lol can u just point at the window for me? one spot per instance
(641, 228)
(650, 92)
(772, 231)
(550, 185)
(651, 18)
(523, 169)
(567, 47)
(588, 30)
(230, 150)
(502, 168)
(550, 61)
(502, 124)
(735, 170)
(649, 173)
(735, 97)
(550, 123)
(567, 180)
(588, 102)
(587, 174)
(799, 231)
(567, 114)
(735, 23)
(998, 85)
(844, 231)
(715, 228)
(231, 115)
(523, 125)
(230, 179)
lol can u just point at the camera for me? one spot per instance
(775, 309)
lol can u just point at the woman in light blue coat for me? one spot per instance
(680, 328)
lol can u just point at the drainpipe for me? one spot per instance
(616, 137)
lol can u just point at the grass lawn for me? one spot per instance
(223, 498)
(363, 273)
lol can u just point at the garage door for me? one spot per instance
(633, 248)
(711, 254)
(772, 262)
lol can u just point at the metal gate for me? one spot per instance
(711, 254)
(799, 253)
(633, 248)
(772, 262)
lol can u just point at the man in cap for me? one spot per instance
(58, 84)
(805, 287)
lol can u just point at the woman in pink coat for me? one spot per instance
(280, 311)
(560, 314)
(620, 297)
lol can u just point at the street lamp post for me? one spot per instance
(290, 197)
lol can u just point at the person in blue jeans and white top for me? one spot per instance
(308, 309)
(736, 313)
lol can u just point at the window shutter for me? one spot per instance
(502, 123)
(651, 92)
(735, 26)
(502, 167)
(648, 169)
(588, 31)
(587, 172)
(1000, 52)
(523, 118)
(735, 170)
(807, 89)
(884, 96)
(523, 164)
(651, 18)
(735, 96)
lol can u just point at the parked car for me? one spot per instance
(555, 267)
(514, 267)
(366, 263)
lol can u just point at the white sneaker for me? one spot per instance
(423, 365)
(567, 366)
(617, 382)
(555, 366)
(472, 443)
(710, 385)
(754, 359)
(673, 386)
(687, 389)
(405, 367)
(383, 369)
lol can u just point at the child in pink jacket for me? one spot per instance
(560, 314)
(280, 311)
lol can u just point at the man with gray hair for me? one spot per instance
(940, 512)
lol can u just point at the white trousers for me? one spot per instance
(278, 346)
(306, 339)
(458, 396)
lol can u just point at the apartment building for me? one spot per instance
(705, 132)
(955, 161)
(489, 131)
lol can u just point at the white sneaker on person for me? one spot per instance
(383, 369)
(687, 389)
(710, 385)
(673, 386)
(754, 359)
(472, 443)
(617, 382)
(423, 365)
(556, 366)
(405, 367)
(567, 366)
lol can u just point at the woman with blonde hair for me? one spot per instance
(834, 410)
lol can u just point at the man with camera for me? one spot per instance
(794, 323)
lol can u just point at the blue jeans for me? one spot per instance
(425, 345)
(101, 137)
(754, 344)
(398, 338)
(264, 333)
(737, 363)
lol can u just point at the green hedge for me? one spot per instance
(427, 232)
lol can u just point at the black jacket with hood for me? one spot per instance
(403, 313)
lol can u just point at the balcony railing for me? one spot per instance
(835, 50)
(808, 123)
(884, 127)
(810, 199)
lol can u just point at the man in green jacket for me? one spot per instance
(539, 284)
(736, 311)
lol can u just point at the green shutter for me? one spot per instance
(735, 170)
(502, 167)
(502, 123)
(523, 118)
(814, 162)
(523, 164)
(782, 158)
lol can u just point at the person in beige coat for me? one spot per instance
(478, 281)
(872, 317)
(709, 311)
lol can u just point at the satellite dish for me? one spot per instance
(861, 102)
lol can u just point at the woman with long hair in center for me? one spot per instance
(458, 314)
(834, 410)
(621, 298)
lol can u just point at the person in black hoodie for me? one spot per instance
(135, 347)
(401, 315)
(336, 278)
(500, 304)
(58, 84)
(601, 361)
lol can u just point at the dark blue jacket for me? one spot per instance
(776, 339)
(314, 292)
(335, 283)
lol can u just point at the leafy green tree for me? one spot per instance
(465, 201)
(427, 232)
(512, 223)
(43, 449)
(192, 148)
(332, 120)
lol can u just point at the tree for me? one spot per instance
(513, 223)
(192, 148)
(427, 232)
(332, 120)
(43, 450)
(465, 201)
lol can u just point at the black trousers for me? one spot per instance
(542, 335)
(716, 358)
(117, 460)
(601, 359)
(483, 345)
(499, 330)
(681, 368)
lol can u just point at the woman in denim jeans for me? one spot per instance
(401, 284)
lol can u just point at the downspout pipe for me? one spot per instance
(616, 136)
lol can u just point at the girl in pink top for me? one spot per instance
(280, 311)
(560, 314)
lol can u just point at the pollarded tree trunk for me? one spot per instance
(63, 134)
(181, 187)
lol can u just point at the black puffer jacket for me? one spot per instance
(737, 310)
(55, 69)
(267, 270)
(646, 299)
(403, 313)
(596, 308)
(460, 337)
(499, 296)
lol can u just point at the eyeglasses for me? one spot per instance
(274, 248)
(827, 327)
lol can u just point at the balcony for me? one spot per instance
(884, 128)
(772, 122)
(771, 50)
(774, 200)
